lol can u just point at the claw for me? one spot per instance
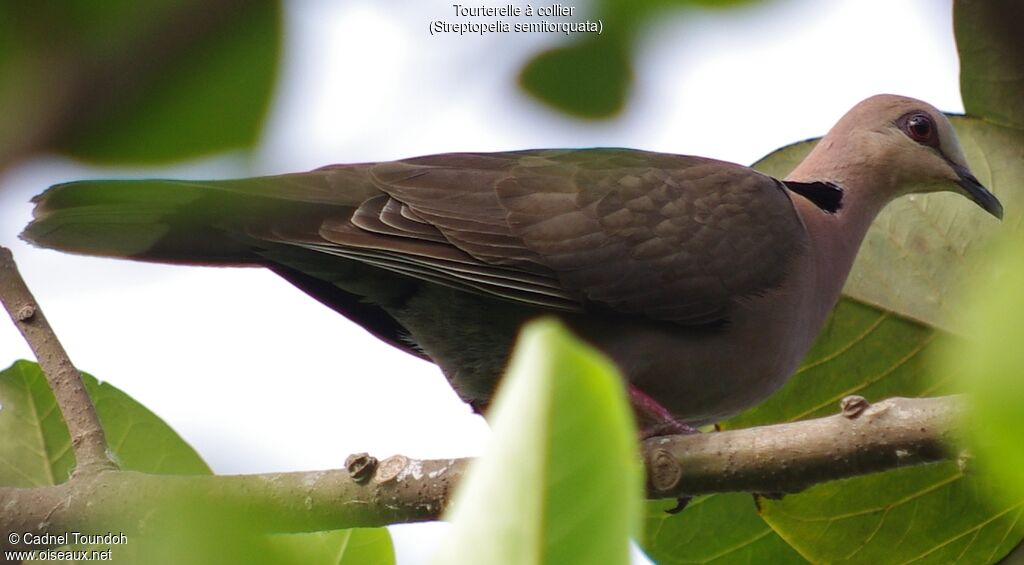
(681, 504)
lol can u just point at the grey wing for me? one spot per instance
(454, 236)
(669, 237)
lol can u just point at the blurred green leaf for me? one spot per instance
(721, 528)
(193, 530)
(560, 482)
(37, 448)
(714, 4)
(989, 364)
(136, 82)
(198, 532)
(924, 247)
(588, 79)
(991, 47)
(591, 77)
(358, 546)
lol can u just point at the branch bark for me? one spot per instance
(87, 437)
(781, 458)
(402, 490)
(786, 458)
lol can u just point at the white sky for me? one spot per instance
(258, 377)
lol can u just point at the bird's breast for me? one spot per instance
(708, 374)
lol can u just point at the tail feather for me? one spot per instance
(190, 222)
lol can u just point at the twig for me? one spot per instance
(787, 458)
(87, 437)
(770, 459)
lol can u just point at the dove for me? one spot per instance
(705, 282)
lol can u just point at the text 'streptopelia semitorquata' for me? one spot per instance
(704, 281)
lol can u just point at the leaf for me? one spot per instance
(138, 82)
(588, 79)
(989, 366)
(930, 513)
(36, 449)
(358, 546)
(591, 77)
(922, 248)
(560, 482)
(991, 51)
(721, 528)
(204, 533)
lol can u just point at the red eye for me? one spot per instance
(920, 127)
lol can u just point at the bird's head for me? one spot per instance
(909, 147)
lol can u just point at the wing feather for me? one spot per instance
(670, 237)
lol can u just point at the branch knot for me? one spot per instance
(360, 466)
(853, 406)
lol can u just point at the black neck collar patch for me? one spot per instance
(824, 195)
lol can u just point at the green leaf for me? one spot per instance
(930, 513)
(591, 77)
(991, 48)
(560, 482)
(588, 79)
(924, 247)
(720, 529)
(137, 82)
(358, 546)
(201, 533)
(990, 365)
(36, 449)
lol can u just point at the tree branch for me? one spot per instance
(402, 490)
(780, 458)
(787, 458)
(87, 437)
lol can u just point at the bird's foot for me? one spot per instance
(666, 428)
(681, 504)
(654, 419)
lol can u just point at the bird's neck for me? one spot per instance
(836, 237)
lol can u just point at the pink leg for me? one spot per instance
(652, 418)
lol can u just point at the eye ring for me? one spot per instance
(920, 127)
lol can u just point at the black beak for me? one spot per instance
(978, 193)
